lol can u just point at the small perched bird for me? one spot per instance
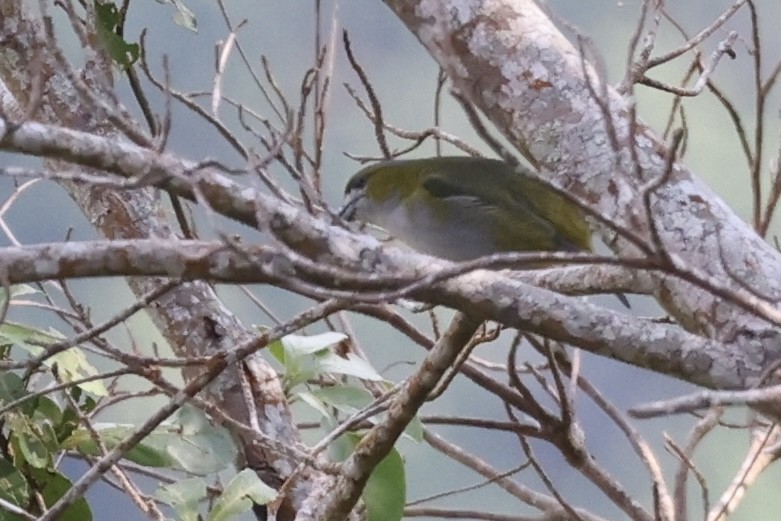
(462, 208)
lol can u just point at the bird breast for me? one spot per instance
(450, 233)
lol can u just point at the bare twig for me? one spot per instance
(375, 102)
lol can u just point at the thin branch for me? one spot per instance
(548, 506)
(375, 102)
(699, 37)
(767, 397)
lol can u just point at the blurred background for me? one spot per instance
(404, 77)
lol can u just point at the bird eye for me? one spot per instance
(357, 183)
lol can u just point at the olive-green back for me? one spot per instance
(544, 218)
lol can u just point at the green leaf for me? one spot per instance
(16, 290)
(352, 365)
(54, 486)
(343, 446)
(89, 405)
(27, 337)
(385, 492)
(192, 443)
(22, 289)
(244, 489)
(48, 410)
(34, 442)
(414, 429)
(184, 496)
(69, 423)
(314, 402)
(184, 16)
(302, 356)
(144, 453)
(13, 485)
(349, 399)
(192, 420)
(12, 388)
(202, 447)
(72, 364)
(295, 372)
(277, 350)
(308, 356)
(299, 346)
(123, 53)
(345, 396)
(32, 426)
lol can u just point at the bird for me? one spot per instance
(461, 208)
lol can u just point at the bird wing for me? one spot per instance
(566, 219)
(515, 216)
(448, 188)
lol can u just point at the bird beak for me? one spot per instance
(347, 212)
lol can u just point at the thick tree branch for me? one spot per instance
(489, 295)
